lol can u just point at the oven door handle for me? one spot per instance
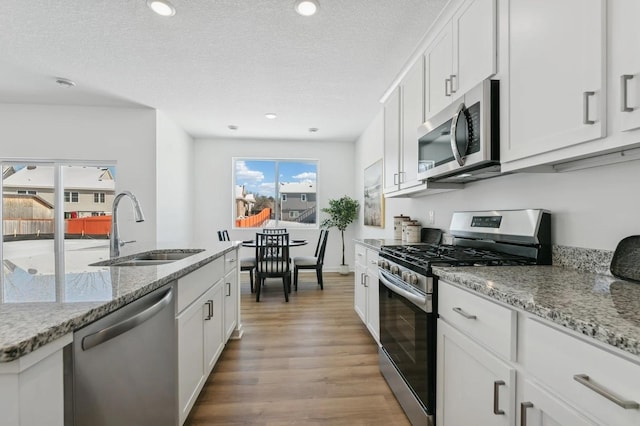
(413, 298)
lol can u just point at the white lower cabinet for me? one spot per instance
(541, 408)
(32, 387)
(556, 378)
(231, 294)
(474, 386)
(366, 296)
(200, 342)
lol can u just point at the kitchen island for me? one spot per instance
(39, 314)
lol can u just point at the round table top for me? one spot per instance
(292, 243)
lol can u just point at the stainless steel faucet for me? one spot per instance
(115, 235)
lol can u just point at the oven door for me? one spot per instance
(408, 337)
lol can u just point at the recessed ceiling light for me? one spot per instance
(306, 7)
(65, 82)
(232, 127)
(313, 129)
(271, 115)
(162, 7)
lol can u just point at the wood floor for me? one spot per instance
(309, 361)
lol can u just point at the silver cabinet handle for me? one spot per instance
(361, 278)
(585, 107)
(583, 379)
(209, 304)
(366, 280)
(523, 412)
(464, 314)
(231, 260)
(496, 397)
(451, 77)
(228, 289)
(624, 78)
(447, 82)
(396, 179)
(115, 330)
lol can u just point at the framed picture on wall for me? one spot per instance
(373, 197)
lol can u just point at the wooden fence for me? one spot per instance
(254, 221)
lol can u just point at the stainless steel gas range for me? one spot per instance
(408, 293)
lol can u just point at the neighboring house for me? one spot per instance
(298, 202)
(89, 191)
(244, 202)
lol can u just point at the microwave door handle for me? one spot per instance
(454, 125)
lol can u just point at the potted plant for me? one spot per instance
(341, 212)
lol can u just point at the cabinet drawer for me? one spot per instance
(230, 261)
(192, 285)
(556, 358)
(361, 255)
(372, 262)
(490, 324)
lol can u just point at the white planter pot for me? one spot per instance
(344, 269)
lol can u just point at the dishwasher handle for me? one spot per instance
(123, 326)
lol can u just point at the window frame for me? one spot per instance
(279, 198)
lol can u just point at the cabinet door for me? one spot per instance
(373, 297)
(466, 372)
(191, 373)
(474, 41)
(556, 76)
(360, 292)
(439, 63)
(213, 311)
(412, 118)
(392, 141)
(625, 66)
(538, 407)
(230, 302)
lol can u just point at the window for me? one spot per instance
(71, 197)
(274, 193)
(99, 197)
(23, 192)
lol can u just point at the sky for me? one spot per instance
(259, 176)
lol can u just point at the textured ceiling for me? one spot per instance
(216, 62)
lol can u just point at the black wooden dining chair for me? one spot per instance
(246, 263)
(272, 261)
(312, 262)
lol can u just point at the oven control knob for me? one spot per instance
(405, 276)
(413, 279)
(383, 264)
(395, 270)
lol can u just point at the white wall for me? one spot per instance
(175, 184)
(214, 197)
(125, 136)
(591, 208)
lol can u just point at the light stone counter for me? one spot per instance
(595, 305)
(36, 309)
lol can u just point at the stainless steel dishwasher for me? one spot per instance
(125, 365)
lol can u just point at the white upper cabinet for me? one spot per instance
(412, 118)
(625, 63)
(557, 65)
(403, 114)
(392, 142)
(462, 54)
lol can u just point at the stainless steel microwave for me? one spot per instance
(462, 143)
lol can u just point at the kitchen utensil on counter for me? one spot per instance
(625, 263)
(430, 235)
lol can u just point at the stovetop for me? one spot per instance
(423, 256)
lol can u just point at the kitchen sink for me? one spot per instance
(150, 258)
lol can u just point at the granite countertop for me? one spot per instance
(36, 308)
(595, 305)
